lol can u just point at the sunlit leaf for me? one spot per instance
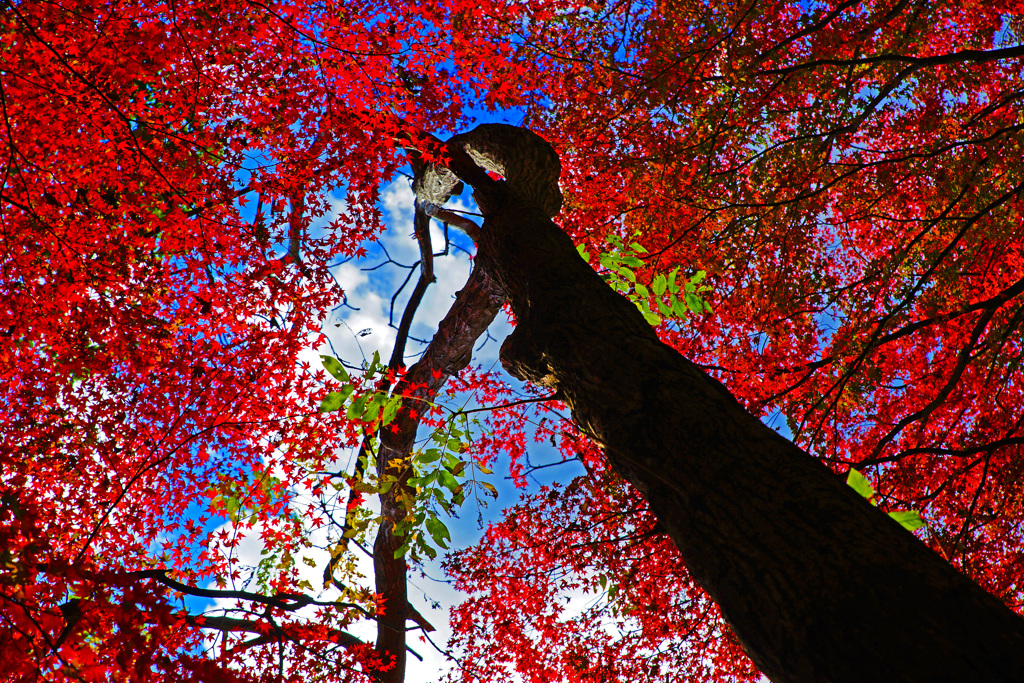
(859, 483)
(333, 366)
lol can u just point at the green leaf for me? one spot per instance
(651, 318)
(355, 409)
(231, 507)
(402, 551)
(679, 308)
(637, 247)
(698, 277)
(438, 531)
(642, 290)
(672, 286)
(333, 366)
(447, 480)
(910, 519)
(332, 401)
(659, 284)
(694, 303)
(583, 253)
(632, 261)
(372, 409)
(859, 483)
(391, 410)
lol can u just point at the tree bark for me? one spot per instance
(819, 585)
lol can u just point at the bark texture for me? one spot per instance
(818, 585)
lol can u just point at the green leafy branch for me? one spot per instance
(441, 473)
(362, 401)
(242, 500)
(436, 476)
(673, 296)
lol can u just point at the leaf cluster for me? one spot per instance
(673, 296)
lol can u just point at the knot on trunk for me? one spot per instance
(523, 356)
(435, 185)
(527, 161)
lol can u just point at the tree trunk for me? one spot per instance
(819, 585)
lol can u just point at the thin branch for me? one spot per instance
(973, 56)
(540, 399)
(288, 602)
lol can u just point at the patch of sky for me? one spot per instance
(378, 285)
(899, 96)
(778, 421)
(760, 341)
(1007, 35)
(951, 99)
(826, 318)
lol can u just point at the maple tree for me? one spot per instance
(838, 183)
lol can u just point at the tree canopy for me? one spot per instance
(819, 204)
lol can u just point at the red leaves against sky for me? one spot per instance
(151, 321)
(848, 176)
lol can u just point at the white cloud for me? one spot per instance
(356, 334)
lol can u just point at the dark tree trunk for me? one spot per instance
(818, 585)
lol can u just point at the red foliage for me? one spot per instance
(152, 316)
(848, 175)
